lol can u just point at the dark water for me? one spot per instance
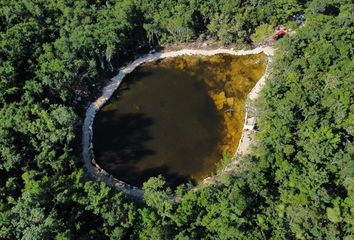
(163, 119)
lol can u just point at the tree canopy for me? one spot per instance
(297, 184)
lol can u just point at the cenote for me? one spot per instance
(175, 117)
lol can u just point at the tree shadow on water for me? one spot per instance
(121, 140)
(135, 177)
(130, 80)
(119, 145)
(172, 179)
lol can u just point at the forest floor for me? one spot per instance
(90, 165)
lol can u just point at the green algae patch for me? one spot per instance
(175, 117)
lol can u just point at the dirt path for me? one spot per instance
(90, 165)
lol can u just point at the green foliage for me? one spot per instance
(298, 184)
(305, 138)
(262, 31)
(157, 196)
(227, 21)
